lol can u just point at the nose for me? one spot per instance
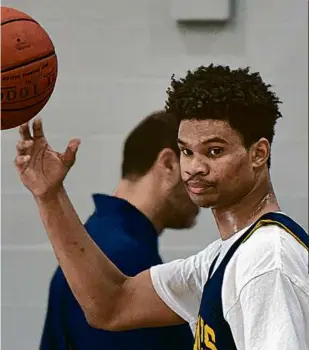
(195, 166)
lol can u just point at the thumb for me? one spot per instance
(69, 156)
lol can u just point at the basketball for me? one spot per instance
(28, 68)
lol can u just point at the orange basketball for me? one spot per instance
(28, 68)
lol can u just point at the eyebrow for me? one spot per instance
(204, 142)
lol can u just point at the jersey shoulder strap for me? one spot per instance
(284, 222)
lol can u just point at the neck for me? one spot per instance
(142, 195)
(245, 212)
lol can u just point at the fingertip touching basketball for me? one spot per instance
(29, 68)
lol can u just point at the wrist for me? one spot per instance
(51, 196)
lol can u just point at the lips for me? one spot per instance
(198, 188)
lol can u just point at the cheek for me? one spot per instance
(234, 170)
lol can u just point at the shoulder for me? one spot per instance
(205, 257)
(211, 251)
(193, 271)
(203, 260)
(270, 248)
(179, 283)
(270, 252)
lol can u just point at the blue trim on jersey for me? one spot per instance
(213, 331)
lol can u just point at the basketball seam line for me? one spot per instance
(17, 20)
(28, 62)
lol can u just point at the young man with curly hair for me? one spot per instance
(247, 290)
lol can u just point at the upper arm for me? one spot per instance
(166, 294)
(139, 306)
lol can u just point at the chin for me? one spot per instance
(204, 201)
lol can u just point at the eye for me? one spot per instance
(186, 152)
(215, 151)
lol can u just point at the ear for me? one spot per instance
(260, 152)
(168, 161)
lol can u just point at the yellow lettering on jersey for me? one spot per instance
(204, 336)
(210, 338)
(197, 342)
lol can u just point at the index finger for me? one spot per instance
(38, 128)
(24, 132)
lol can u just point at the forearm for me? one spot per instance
(94, 279)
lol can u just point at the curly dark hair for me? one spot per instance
(235, 95)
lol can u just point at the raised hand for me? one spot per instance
(41, 169)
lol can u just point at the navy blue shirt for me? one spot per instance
(130, 241)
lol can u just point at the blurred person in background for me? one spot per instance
(126, 226)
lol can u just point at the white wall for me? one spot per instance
(116, 58)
